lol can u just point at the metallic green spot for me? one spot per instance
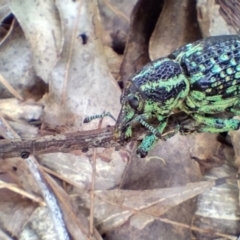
(193, 64)
(212, 61)
(238, 67)
(233, 62)
(208, 90)
(237, 75)
(229, 71)
(213, 79)
(222, 74)
(216, 69)
(202, 67)
(224, 57)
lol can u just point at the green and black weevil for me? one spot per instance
(201, 79)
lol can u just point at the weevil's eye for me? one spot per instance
(133, 101)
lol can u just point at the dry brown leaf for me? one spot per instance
(76, 222)
(15, 212)
(79, 169)
(176, 26)
(141, 27)
(16, 110)
(117, 206)
(230, 10)
(68, 53)
(40, 23)
(210, 20)
(4, 9)
(81, 84)
(18, 71)
(218, 208)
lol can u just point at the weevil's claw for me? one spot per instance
(141, 153)
(158, 135)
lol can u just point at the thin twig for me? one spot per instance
(58, 143)
(92, 194)
(9, 87)
(7, 130)
(15, 188)
(70, 53)
(69, 142)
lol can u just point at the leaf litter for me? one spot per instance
(54, 62)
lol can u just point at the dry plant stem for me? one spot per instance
(50, 199)
(64, 93)
(125, 172)
(6, 84)
(65, 179)
(238, 183)
(7, 130)
(68, 142)
(16, 189)
(92, 195)
(73, 222)
(58, 143)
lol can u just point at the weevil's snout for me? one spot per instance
(122, 127)
(132, 105)
(121, 124)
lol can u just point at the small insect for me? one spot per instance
(201, 79)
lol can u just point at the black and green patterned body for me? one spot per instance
(200, 79)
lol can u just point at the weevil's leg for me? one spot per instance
(126, 131)
(104, 114)
(152, 129)
(149, 141)
(215, 125)
(167, 135)
(144, 117)
(156, 132)
(146, 145)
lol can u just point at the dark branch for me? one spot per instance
(58, 143)
(76, 141)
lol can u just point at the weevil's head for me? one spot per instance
(151, 93)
